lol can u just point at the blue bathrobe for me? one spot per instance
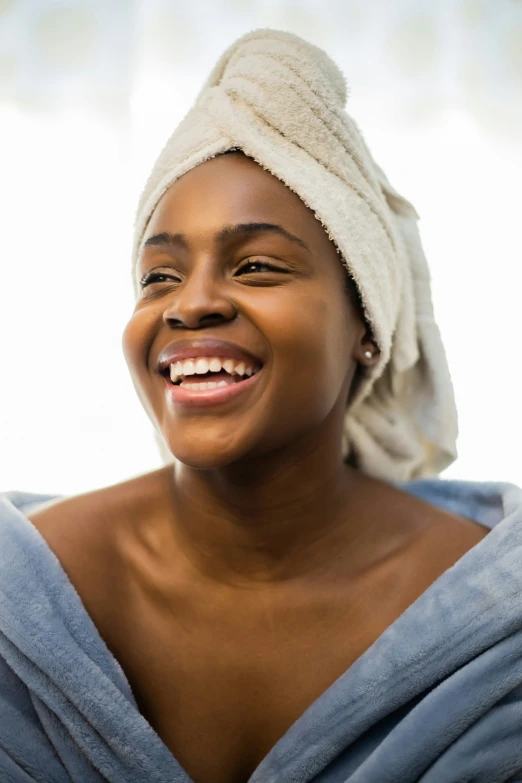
(437, 698)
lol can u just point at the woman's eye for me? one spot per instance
(258, 266)
(154, 277)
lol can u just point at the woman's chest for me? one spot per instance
(221, 681)
(222, 687)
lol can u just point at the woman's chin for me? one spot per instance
(205, 454)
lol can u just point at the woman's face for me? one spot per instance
(214, 270)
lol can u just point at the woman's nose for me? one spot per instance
(199, 301)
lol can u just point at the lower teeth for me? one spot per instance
(204, 385)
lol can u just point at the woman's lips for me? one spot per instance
(198, 398)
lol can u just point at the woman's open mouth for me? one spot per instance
(206, 381)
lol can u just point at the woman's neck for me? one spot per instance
(267, 520)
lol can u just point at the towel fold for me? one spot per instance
(282, 102)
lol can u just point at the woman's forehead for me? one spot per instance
(232, 188)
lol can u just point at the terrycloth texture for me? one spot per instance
(281, 100)
(436, 699)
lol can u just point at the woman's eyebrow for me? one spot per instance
(166, 239)
(251, 229)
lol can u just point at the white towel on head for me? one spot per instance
(282, 101)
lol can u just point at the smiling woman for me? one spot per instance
(250, 274)
(295, 596)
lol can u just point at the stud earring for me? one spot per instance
(368, 354)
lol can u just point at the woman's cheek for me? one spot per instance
(137, 337)
(128, 341)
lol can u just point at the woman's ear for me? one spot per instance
(366, 352)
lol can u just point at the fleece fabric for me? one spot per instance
(436, 699)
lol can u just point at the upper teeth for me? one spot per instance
(201, 366)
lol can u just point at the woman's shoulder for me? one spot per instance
(437, 521)
(94, 507)
(486, 503)
(87, 533)
(43, 620)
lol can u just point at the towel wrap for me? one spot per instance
(281, 100)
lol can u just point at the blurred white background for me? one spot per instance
(90, 91)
